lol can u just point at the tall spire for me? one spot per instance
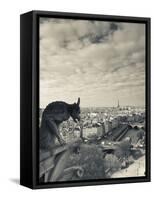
(118, 104)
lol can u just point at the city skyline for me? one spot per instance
(112, 106)
(100, 62)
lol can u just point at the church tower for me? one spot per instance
(118, 104)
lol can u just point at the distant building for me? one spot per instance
(101, 130)
(115, 123)
(107, 126)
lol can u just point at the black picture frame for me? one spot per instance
(29, 98)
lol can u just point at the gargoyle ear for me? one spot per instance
(78, 102)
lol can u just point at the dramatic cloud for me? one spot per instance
(100, 62)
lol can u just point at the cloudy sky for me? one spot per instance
(100, 62)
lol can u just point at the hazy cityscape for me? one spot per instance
(100, 121)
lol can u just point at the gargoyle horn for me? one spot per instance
(78, 102)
